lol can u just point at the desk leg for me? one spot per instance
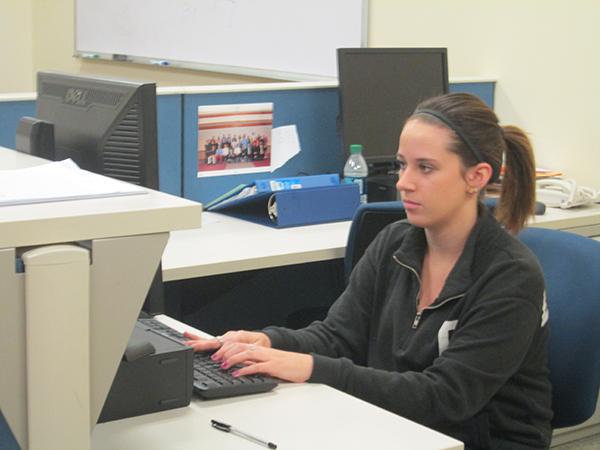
(13, 388)
(57, 315)
(64, 326)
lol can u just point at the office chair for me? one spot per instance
(571, 266)
(369, 219)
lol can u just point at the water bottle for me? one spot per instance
(356, 170)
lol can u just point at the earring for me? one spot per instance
(472, 191)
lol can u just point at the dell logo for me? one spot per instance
(76, 96)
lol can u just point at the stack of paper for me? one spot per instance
(58, 181)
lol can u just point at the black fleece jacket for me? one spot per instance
(472, 365)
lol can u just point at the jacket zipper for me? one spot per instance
(419, 314)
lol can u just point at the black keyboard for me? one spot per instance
(210, 380)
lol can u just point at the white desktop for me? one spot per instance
(293, 416)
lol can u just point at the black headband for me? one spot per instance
(476, 153)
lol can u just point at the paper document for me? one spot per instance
(59, 181)
(285, 145)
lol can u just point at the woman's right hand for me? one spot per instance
(200, 344)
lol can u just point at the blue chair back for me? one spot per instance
(571, 266)
(369, 219)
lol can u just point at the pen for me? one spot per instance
(159, 62)
(229, 429)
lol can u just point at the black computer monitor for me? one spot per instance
(105, 125)
(378, 89)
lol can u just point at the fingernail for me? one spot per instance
(224, 365)
(214, 357)
(236, 374)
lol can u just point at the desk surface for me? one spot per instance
(74, 220)
(294, 416)
(225, 244)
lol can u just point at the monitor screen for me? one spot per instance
(379, 88)
(106, 126)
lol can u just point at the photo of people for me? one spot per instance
(234, 139)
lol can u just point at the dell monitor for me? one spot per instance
(106, 126)
(379, 88)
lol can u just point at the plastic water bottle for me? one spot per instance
(356, 170)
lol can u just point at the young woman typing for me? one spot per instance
(444, 319)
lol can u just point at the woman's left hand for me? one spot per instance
(289, 366)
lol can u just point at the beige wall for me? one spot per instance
(545, 56)
(16, 25)
(46, 32)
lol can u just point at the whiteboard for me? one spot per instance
(289, 39)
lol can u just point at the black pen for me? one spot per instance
(229, 429)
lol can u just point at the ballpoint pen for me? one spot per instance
(229, 429)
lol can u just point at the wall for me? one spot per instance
(16, 25)
(543, 55)
(39, 35)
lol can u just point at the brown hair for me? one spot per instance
(479, 137)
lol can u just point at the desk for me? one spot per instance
(79, 301)
(253, 246)
(294, 416)
(226, 244)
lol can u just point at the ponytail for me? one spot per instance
(480, 138)
(517, 198)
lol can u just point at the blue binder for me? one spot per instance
(309, 181)
(296, 207)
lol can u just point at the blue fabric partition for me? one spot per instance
(168, 116)
(10, 114)
(313, 111)
(484, 90)
(168, 110)
(7, 440)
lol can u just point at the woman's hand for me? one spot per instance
(289, 366)
(200, 344)
(253, 350)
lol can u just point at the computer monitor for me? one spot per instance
(378, 90)
(105, 125)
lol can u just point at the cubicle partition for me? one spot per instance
(169, 133)
(12, 108)
(170, 139)
(313, 112)
(311, 106)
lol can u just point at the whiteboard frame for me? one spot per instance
(217, 68)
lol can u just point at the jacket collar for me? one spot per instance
(413, 245)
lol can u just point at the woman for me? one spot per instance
(444, 318)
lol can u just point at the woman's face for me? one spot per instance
(432, 180)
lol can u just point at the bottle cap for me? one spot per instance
(356, 148)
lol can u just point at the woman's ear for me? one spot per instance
(478, 176)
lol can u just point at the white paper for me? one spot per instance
(286, 145)
(59, 181)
